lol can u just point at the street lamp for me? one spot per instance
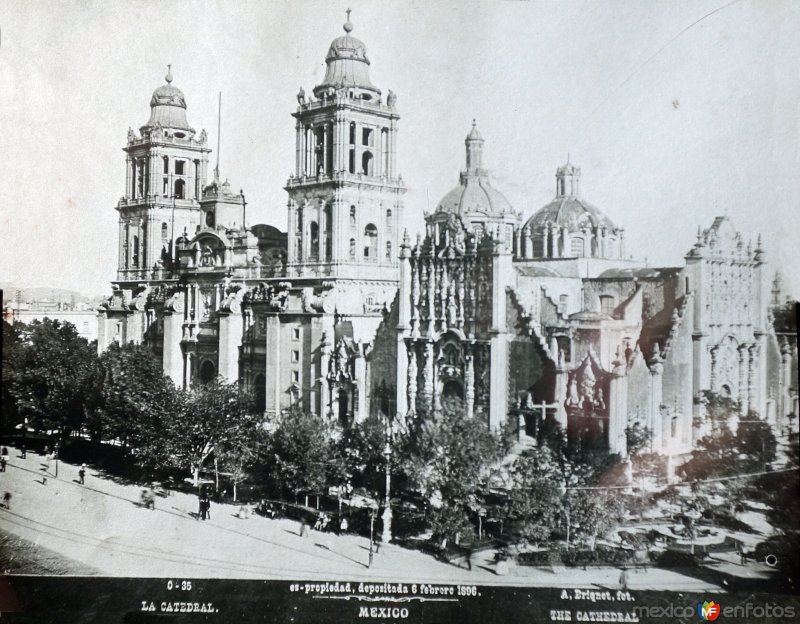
(387, 507)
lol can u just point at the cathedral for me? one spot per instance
(345, 315)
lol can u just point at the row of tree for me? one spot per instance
(449, 471)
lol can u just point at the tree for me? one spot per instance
(447, 456)
(536, 493)
(723, 452)
(358, 458)
(50, 371)
(12, 360)
(300, 451)
(131, 400)
(207, 417)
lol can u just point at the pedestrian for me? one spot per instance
(623, 579)
(371, 554)
(2, 464)
(4, 451)
(208, 507)
(469, 558)
(82, 473)
(24, 452)
(302, 526)
(343, 525)
(7, 500)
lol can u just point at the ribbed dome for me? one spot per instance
(571, 213)
(568, 210)
(347, 66)
(474, 195)
(168, 107)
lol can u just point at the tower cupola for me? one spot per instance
(567, 180)
(347, 67)
(474, 143)
(168, 109)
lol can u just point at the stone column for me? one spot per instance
(231, 330)
(618, 410)
(404, 304)
(545, 242)
(743, 381)
(714, 368)
(469, 381)
(752, 378)
(498, 359)
(555, 236)
(361, 383)
(187, 369)
(272, 364)
(411, 386)
(427, 376)
(656, 393)
(172, 357)
(298, 168)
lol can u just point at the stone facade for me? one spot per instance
(535, 319)
(562, 326)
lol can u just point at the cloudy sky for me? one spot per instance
(676, 111)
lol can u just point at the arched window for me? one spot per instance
(370, 242)
(576, 247)
(260, 391)
(366, 163)
(352, 247)
(207, 372)
(328, 232)
(388, 250)
(607, 305)
(135, 253)
(352, 216)
(610, 248)
(164, 235)
(313, 232)
(180, 189)
(389, 218)
(166, 164)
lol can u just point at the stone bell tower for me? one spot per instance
(345, 196)
(166, 169)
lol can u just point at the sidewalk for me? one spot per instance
(100, 525)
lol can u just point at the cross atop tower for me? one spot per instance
(348, 11)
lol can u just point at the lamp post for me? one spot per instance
(387, 507)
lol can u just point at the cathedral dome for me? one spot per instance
(474, 194)
(568, 210)
(347, 66)
(569, 226)
(168, 107)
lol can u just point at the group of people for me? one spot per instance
(205, 507)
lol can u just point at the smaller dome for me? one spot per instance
(168, 106)
(474, 195)
(347, 66)
(571, 213)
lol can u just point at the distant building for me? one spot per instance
(344, 316)
(84, 320)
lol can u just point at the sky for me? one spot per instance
(676, 111)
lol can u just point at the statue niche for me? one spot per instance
(587, 411)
